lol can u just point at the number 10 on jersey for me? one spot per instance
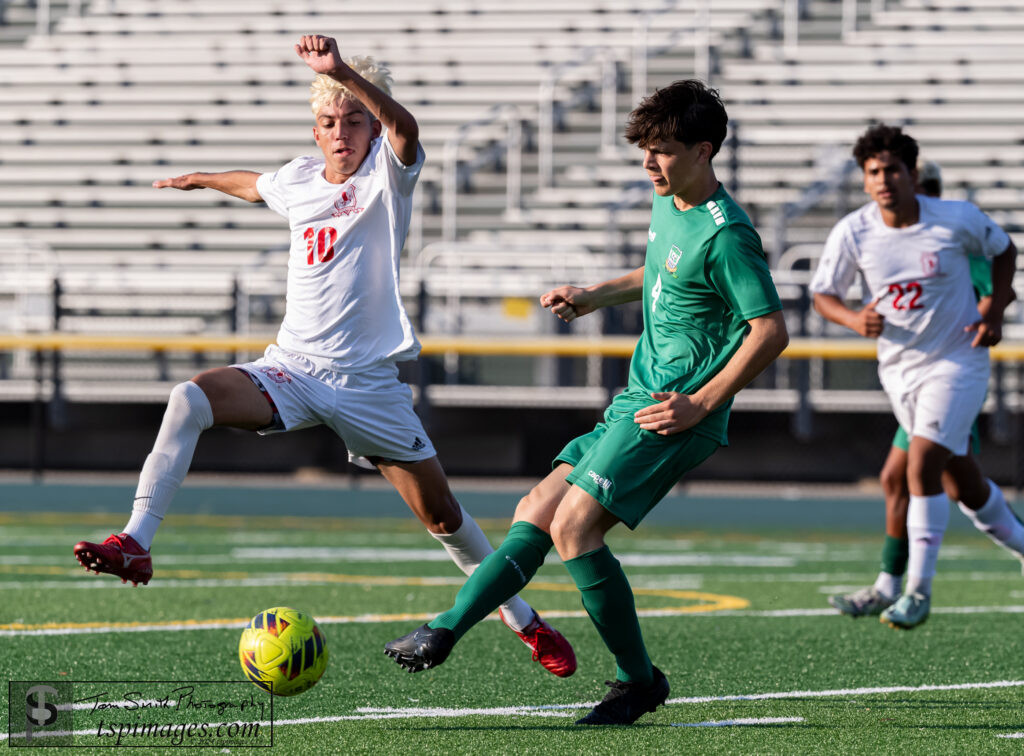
(320, 244)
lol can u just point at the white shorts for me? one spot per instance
(942, 409)
(371, 410)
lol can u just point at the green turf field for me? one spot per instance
(733, 611)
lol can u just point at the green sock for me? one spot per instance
(608, 600)
(895, 554)
(497, 579)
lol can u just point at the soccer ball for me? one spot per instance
(283, 651)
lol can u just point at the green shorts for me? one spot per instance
(629, 469)
(902, 441)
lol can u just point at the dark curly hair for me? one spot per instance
(881, 138)
(688, 111)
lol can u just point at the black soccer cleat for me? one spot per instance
(423, 648)
(627, 702)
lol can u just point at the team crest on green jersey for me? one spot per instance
(673, 260)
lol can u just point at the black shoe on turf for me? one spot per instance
(423, 648)
(627, 702)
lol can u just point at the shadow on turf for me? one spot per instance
(605, 728)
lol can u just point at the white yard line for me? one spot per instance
(219, 624)
(94, 582)
(565, 710)
(746, 721)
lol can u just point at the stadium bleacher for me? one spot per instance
(137, 90)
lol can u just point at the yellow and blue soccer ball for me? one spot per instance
(283, 651)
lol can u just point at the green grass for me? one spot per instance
(228, 568)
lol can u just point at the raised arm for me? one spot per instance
(866, 321)
(676, 412)
(570, 302)
(241, 184)
(321, 54)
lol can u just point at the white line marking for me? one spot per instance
(549, 710)
(88, 582)
(1012, 735)
(733, 722)
(351, 554)
(427, 616)
(849, 692)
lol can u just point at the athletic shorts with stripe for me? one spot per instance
(901, 439)
(371, 410)
(629, 469)
(942, 409)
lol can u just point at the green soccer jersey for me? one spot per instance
(705, 275)
(981, 276)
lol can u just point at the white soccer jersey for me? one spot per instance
(920, 276)
(343, 302)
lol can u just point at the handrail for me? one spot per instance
(546, 110)
(609, 80)
(450, 177)
(563, 346)
(834, 172)
(632, 194)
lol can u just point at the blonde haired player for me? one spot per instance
(343, 332)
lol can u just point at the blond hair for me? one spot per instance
(325, 91)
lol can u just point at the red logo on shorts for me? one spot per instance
(930, 263)
(276, 375)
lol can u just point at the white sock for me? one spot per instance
(996, 520)
(188, 414)
(468, 546)
(142, 527)
(927, 518)
(889, 585)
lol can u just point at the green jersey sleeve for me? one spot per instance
(981, 276)
(738, 271)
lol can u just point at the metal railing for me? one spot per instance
(834, 170)
(513, 149)
(610, 62)
(45, 15)
(794, 10)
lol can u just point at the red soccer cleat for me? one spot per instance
(550, 647)
(118, 555)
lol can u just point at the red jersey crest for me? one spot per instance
(345, 204)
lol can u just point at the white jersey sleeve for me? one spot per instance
(838, 267)
(401, 177)
(981, 236)
(279, 187)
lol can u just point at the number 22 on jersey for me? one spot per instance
(908, 296)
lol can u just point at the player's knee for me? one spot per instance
(561, 535)
(893, 481)
(188, 403)
(537, 507)
(973, 493)
(568, 532)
